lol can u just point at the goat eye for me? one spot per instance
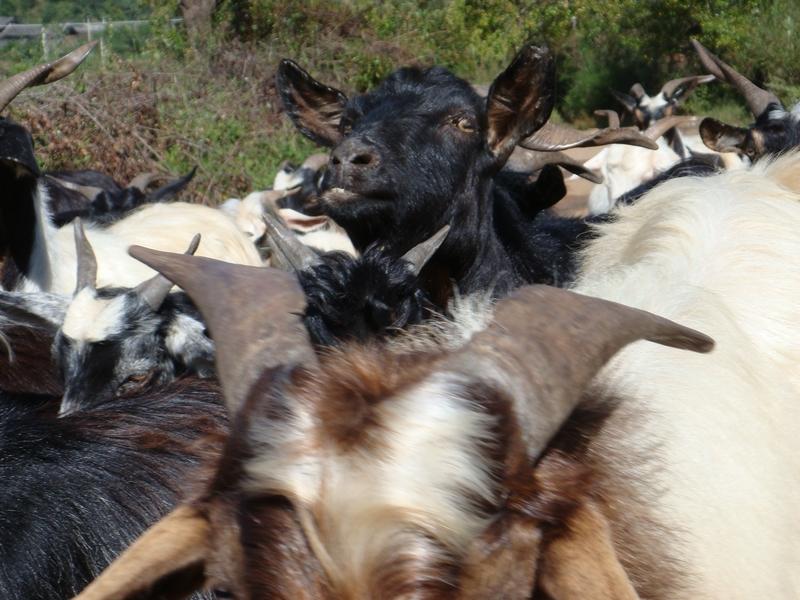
(465, 124)
(222, 594)
(134, 383)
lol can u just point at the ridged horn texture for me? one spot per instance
(288, 252)
(757, 99)
(546, 344)
(86, 260)
(552, 137)
(46, 73)
(254, 315)
(662, 126)
(420, 254)
(531, 161)
(156, 289)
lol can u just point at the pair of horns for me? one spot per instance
(687, 84)
(153, 291)
(290, 254)
(757, 99)
(43, 74)
(542, 349)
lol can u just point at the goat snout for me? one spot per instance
(354, 156)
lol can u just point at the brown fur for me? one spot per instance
(26, 363)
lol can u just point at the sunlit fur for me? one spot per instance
(167, 227)
(718, 254)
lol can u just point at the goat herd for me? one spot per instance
(429, 385)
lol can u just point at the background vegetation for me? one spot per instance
(159, 99)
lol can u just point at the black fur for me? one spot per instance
(360, 298)
(690, 167)
(426, 171)
(77, 490)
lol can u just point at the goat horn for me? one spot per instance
(254, 315)
(689, 83)
(552, 137)
(662, 126)
(287, 249)
(531, 161)
(169, 190)
(611, 115)
(757, 99)
(420, 254)
(87, 263)
(142, 180)
(543, 349)
(156, 289)
(46, 73)
(88, 191)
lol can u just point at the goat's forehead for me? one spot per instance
(92, 319)
(654, 102)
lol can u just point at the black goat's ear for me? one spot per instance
(314, 108)
(520, 100)
(722, 137)
(628, 101)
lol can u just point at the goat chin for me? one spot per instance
(716, 254)
(167, 227)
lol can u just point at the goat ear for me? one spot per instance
(501, 563)
(315, 109)
(582, 562)
(722, 137)
(166, 562)
(520, 100)
(628, 101)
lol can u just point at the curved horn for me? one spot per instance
(87, 263)
(172, 188)
(757, 99)
(420, 254)
(156, 289)
(637, 91)
(254, 316)
(142, 180)
(611, 115)
(684, 85)
(662, 126)
(46, 73)
(561, 137)
(287, 249)
(546, 344)
(531, 161)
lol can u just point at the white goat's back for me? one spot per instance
(718, 254)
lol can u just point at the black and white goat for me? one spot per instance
(646, 109)
(514, 464)
(775, 129)
(39, 256)
(424, 150)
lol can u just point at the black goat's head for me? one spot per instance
(775, 129)
(404, 153)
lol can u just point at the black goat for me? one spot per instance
(423, 150)
(77, 490)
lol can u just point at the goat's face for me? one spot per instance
(408, 155)
(112, 344)
(775, 131)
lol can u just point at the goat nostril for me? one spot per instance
(361, 159)
(335, 160)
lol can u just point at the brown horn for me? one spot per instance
(46, 73)
(546, 344)
(689, 83)
(254, 315)
(757, 99)
(420, 254)
(155, 290)
(662, 126)
(178, 541)
(552, 137)
(611, 115)
(142, 180)
(530, 161)
(288, 251)
(87, 262)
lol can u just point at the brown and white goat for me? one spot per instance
(369, 473)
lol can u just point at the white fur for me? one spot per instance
(169, 227)
(718, 254)
(91, 319)
(248, 214)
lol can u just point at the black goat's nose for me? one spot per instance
(352, 154)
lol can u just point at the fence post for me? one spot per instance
(88, 29)
(45, 49)
(103, 44)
